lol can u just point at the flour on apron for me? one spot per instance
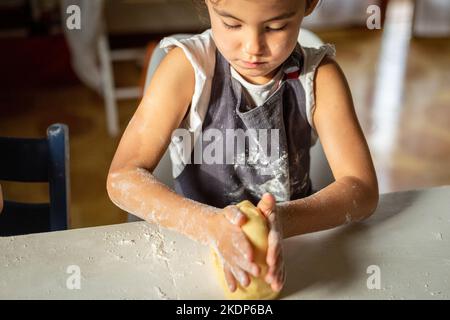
(279, 164)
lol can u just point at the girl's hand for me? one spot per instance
(232, 246)
(276, 274)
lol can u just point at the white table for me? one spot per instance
(408, 238)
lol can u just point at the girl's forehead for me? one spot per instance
(256, 7)
(258, 3)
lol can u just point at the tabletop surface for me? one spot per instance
(400, 252)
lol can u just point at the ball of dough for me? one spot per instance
(257, 231)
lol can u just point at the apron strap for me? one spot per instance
(292, 73)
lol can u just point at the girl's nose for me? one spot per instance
(253, 45)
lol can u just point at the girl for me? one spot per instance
(245, 75)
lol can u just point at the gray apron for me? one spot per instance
(279, 127)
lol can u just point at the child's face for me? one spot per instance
(244, 32)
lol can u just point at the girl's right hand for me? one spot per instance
(232, 246)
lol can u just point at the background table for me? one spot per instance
(408, 238)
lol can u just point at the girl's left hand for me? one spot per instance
(276, 274)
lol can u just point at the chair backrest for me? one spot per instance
(320, 171)
(37, 160)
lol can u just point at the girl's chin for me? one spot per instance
(255, 72)
(258, 73)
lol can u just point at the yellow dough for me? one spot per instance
(256, 230)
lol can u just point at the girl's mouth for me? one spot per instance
(251, 65)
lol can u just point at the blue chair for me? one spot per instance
(37, 160)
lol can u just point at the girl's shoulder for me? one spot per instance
(313, 56)
(199, 49)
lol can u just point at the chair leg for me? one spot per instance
(112, 118)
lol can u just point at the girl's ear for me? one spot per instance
(310, 6)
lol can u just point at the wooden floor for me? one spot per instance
(418, 157)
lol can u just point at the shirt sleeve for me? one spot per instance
(312, 59)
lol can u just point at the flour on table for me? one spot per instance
(437, 235)
(160, 293)
(124, 242)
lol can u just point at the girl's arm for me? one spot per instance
(132, 187)
(130, 184)
(354, 194)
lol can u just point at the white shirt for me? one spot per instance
(258, 93)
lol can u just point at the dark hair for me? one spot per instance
(201, 8)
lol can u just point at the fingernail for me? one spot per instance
(274, 286)
(278, 287)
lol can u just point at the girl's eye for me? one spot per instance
(275, 29)
(230, 27)
(267, 28)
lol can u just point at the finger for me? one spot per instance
(277, 285)
(274, 248)
(274, 269)
(245, 261)
(272, 255)
(272, 279)
(235, 216)
(231, 281)
(249, 267)
(275, 258)
(281, 276)
(266, 204)
(270, 276)
(241, 276)
(243, 246)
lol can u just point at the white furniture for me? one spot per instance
(92, 55)
(111, 93)
(407, 239)
(134, 17)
